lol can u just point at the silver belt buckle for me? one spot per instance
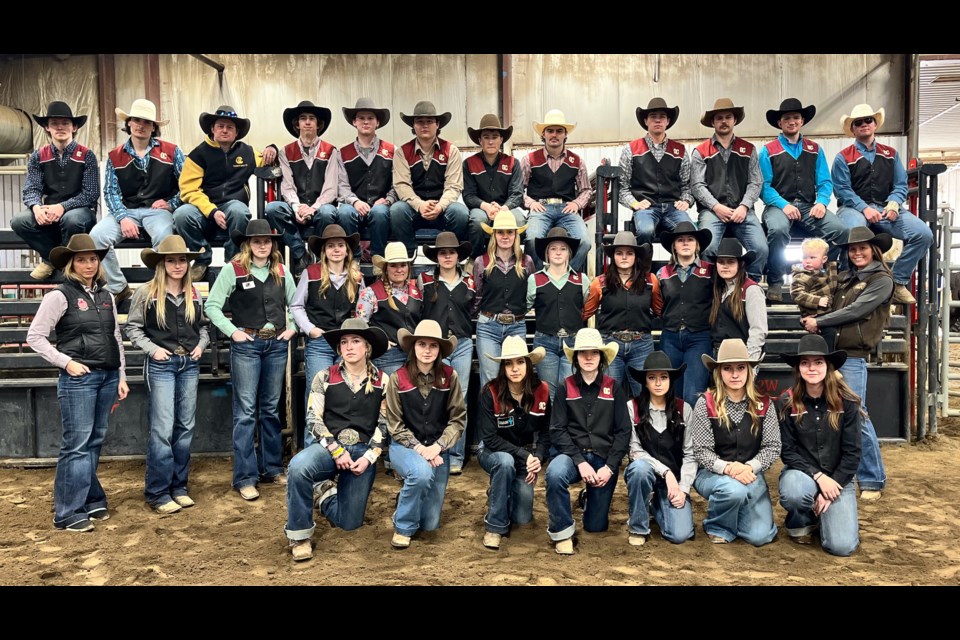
(506, 318)
(551, 201)
(348, 437)
(562, 333)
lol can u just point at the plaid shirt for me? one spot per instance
(809, 286)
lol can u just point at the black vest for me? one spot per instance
(738, 443)
(503, 292)
(794, 180)
(526, 425)
(427, 183)
(259, 303)
(60, 184)
(329, 310)
(406, 316)
(492, 186)
(727, 181)
(687, 303)
(558, 308)
(665, 447)
(657, 182)
(178, 332)
(358, 410)
(451, 309)
(591, 424)
(309, 182)
(727, 326)
(85, 331)
(369, 183)
(140, 189)
(622, 310)
(225, 175)
(425, 417)
(545, 183)
(872, 182)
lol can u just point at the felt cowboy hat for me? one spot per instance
(627, 239)
(143, 109)
(588, 340)
(883, 241)
(491, 122)
(394, 252)
(427, 329)
(658, 104)
(57, 109)
(332, 232)
(516, 347)
(256, 227)
(79, 243)
(358, 327)
(226, 112)
(291, 114)
(657, 361)
(448, 240)
(722, 104)
(790, 105)
(426, 109)
(814, 345)
(862, 110)
(503, 220)
(169, 246)
(366, 104)
(557, 234)
(731, 248)
(703, 236)
(731, 350)
(554, 118)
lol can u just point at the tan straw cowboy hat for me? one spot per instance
(589, 339)
(722, 104)
(427, 329)
(516, 347)
(169, 246)
(554, 118)
(79, 243)
(504, 220)
(143, 109)
(731, 350)
(393, 253)
(862, 110)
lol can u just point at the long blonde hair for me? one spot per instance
(245, 258)
(492, 254)
(157, 292)
(71, 274)
(720, 397)
(353, 275)
(373, 374)
(385, 279)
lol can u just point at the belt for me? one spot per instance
(629, 336)
(551, 200)
(562, 333)
(350, 436)
(503, 318)
(180, 351)
(263, 334)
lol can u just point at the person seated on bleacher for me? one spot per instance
(870, 183)
(141, 189)
(61, 190)
(796, 189)
(655, 174)
(738, 309)
(860, 312)
(557, 189)
(428, 177)
(213, 187)
(492, 180)
(725, 180)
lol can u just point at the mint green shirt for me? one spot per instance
(559, 283)
(224, 287)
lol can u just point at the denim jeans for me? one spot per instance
(510, 498)
(631, 354)
(490, 337)
(158, 223)
(462, 362)
(404, 221)
(281, 217)
(749, 233)
(829, 227)
(687, 346)
(479, 239)
(85, 405)
(198, 230)
(914, 232)
(345, 510)
(257, 370)
(563, 472)
(424, 487)
(735, 509)
(377, 222)
(662, 217)
(173, 412)
(554, 368)
(43, 238)
(871, 476)
(839, 530)
(645, 489)
(317, 356)
(539, 223)
(391, 360)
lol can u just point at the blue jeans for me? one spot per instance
(43, 238)
(563, 472)
(158, 223)
(173, 412)
(404, 220)
(914, 233)
(461, 360)
(424, 487)
(665, 216)
(281, 217)
(344, 510)
(871, 476)
(317, 356)
(392, 359)
(539, 223)
(198, 230)
(554, 368)
(257, 370)
(749, 233)
(687, 346)
(735, 509)
(510, 498)
(490, 337)
(829, 227)
(377, 222)
(839, 530)
(480, 239)
(645, 489)
(85, 404)
(631, 354)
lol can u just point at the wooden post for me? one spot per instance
(107, 88)
(151, 80)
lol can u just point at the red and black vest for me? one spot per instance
(503, 292)
(369, 182)
(559, 308)
(225, 175)
(727, 181)
(687, 303)
(655, 181)
(492, 186)
(309, 182)
(622, 310)
(327, 311)
(451, 309)
(425, 417)
(406, 316)
(178, 332)
(794, 179)
(526, 425)
(140, 189)
(253, 303)
(427, 183)
(545, 183)
(343, 408)
(590, 424)
(727, 326)
(667, 447)
(738, 443)
(872, 182)
(85, 331)
(62, 183)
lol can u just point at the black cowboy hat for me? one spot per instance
(79, 243)
(882, 241)
(256, 227)
(58, 109)
(366, 104)
(322, 114)
(657, 361)
(790, 105)
(330, 232)
(358, 327)
(731, 248)
(814, 345)
(658, 104)
(627, 239)
(448, 240)
(703, 236)
(557, 234)
(227, 112)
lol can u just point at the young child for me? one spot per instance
(814, 284)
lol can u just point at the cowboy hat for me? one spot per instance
(394, 252)
(790, 105)
(657, 361)
(731, 248)
(358, 327)
(703, 236)
(554, 118)
(57, 109)
(79, 243)
(516, 347)
(588, 340)
(490, 121)
(366, 104)
(426, 329)
(557, 234)
(256, 227)
(225, 111)
(322, 114)
(448, 240)
(731, 350)
(628, 240)
(169, 246)
(862, 110)
(425, 109)
(331, 232)
(143, 109)
(504, 220)
(813, 344)
(657, 104)
(883, 241)
(722, 104)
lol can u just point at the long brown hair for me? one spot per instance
(720, 396)
(639, 274)
(735, 300)
(245, 258)
(835, 390)
(411, 364)
(530, 383)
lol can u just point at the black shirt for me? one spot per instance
(563, 430)
(813, 446)
(509, 429)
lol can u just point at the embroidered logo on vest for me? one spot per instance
(82, 304)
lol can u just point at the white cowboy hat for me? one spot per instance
(143, 109)
(731, 350)
(589, 339)
(393, 253)
(427, 329)
(554, 118)
(516, 347)
(503, 220)
(860, 111)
